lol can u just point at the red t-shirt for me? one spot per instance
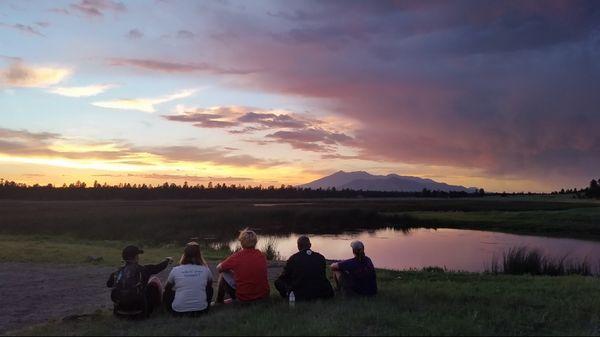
(249, 267)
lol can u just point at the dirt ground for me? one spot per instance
(35, 293)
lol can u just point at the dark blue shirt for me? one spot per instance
(361, 274)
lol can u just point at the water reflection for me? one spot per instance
(453, 249)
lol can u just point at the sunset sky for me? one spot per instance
(503, 95)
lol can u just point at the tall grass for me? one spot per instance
(524, 260)
(270, 250)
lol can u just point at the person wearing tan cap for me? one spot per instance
(356, 276)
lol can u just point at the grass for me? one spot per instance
(162, 222)
(524, 260)
(575, 223)
(67, 250)
(409, 303)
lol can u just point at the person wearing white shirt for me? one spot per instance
(189, 290)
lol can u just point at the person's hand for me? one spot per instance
(170, 259)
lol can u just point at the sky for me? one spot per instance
(502, 95)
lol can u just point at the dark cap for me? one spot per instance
(130, 252)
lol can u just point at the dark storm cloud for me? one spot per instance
(506, 87)
(300, 133)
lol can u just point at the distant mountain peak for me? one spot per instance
(361, 180)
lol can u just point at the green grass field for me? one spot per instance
(409, 303)
(581, 223)
(165, 222)
(66, 250)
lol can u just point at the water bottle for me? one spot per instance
(292, 299)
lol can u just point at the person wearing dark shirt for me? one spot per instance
(135, 292)
(305, 275)
(357, 275)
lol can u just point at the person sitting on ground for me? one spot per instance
(135, 292)
(243, 276)
(357, 275)
(305, 275)
(189, 290)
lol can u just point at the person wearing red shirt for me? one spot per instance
(244, 274)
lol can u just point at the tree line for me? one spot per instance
(592, 191)
(81, 191)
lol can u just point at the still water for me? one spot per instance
(454, 249)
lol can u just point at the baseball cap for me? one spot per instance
(357, 245)
(130, 252)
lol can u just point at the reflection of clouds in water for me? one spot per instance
(456, 249)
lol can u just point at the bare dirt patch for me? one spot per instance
(35, 293)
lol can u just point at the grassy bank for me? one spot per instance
(409, 303)
(67, 250)
(574, 223)
(163, 222)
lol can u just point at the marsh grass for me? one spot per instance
(528, 261)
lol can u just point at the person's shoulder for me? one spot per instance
(314, 256)
(348, 262)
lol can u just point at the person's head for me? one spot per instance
(131, 254)
(304, 243)
(248, 239)
(192, 254)
(358, 248)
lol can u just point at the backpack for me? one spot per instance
(128, 292)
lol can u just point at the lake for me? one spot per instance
(454, 249)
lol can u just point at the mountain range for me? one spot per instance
(361, 180)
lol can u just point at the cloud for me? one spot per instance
(312, 139)
(97, 7)
(175, 67)
(84, 91)
(212, 155)
(46, 145)
(135, 34)
(298, 131)
(19, 75)
(22, 28)
(508, 89)
(189, 178)
(185, 34)
(143, 104)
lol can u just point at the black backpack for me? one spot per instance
(128, 293)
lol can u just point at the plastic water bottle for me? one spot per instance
(292, 299)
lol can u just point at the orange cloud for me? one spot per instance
(19, 75)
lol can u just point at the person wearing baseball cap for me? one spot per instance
(356, 276)
(135, 291)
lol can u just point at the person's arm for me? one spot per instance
(287, 272)
(228, 264)
(154, 269)
(111, 281)
(209, 287)
(170, 280)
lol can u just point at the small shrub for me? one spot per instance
(270, 250)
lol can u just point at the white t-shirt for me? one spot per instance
(189, 283)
